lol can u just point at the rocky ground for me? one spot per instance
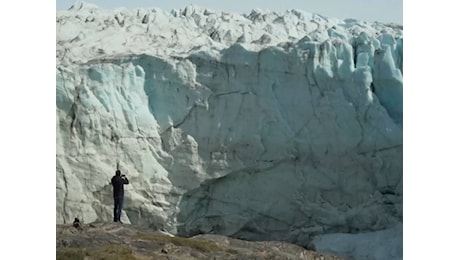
(120, 241)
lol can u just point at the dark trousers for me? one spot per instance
(118, 206)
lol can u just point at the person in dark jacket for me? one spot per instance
(118, 181)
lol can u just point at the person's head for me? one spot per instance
(118, 172)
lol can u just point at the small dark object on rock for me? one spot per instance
(77, 224)
(164, 251)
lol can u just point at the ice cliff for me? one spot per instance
(263, 126)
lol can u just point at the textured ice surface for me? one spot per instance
(266, 126)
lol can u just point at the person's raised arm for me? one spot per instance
(125, 180)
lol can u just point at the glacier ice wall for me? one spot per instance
(284, 126)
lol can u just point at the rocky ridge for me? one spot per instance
(127, 242)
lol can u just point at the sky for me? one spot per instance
(366, 10)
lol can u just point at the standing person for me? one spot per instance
(118, 181)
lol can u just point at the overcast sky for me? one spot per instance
(368, 10)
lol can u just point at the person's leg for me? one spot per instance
(116, 207)
(120, 207)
